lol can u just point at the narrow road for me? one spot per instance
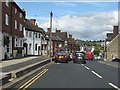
(70, 75)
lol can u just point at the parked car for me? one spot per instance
(62, 56)
(79, 57)
(115, 60)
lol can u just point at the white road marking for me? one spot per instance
(87, 67)
(114, 86)
(96, 74)
(82, 64)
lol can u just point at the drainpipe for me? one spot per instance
(33, 43)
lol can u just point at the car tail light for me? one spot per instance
(74, 57)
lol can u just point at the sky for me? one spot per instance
(84, 20)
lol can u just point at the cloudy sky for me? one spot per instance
(84, 20)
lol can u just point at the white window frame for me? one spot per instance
(20, 15)
(20, 26)
(30, 34)
(15, 10)
(15, 24)
(26, 32)
(21, 43)
(16, 42)
(6, 19)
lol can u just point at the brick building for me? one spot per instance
(12, 28)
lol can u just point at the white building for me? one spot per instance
(33, 38)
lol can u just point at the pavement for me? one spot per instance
(110, 63)
(8, 67)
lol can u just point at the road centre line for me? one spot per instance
(82, 64)
(32, 79)
(96, 74)
(114, 86)
(87, 67)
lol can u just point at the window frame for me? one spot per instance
(15, 24)
(6, 19)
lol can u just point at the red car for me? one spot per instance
(62, 56)
(88, 56)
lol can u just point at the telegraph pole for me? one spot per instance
(51, 15)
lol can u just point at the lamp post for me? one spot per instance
(51, 15)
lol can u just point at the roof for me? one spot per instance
(22, 10)
(56, 38)
(29, 26)
(62, 35)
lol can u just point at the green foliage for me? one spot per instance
(96, 52)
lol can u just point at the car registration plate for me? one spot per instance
(79, 57)
(60, 56)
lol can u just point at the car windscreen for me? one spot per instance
(79, 54)
(62, 53)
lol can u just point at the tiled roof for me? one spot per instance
(31, 27)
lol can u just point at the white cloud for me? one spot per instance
(89, 26)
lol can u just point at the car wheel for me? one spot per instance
(55, 61)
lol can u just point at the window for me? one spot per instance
(26, 33)
(15, 10)
(6, 19)
(36, 46)
(30, 46)
(21, 43)
(20, 27)
(20, 15)
(15, 24)
(16, 42)
(6, 3)
(39, 35)
(30, 34)
(36, 35)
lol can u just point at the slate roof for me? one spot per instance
(62, 35)
(56, 38)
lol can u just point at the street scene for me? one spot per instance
(59, 44)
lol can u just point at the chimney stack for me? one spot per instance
(48, 30)
(58, 30)
(33, 21)
(115, 31)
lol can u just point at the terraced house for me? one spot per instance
(33, 38)
(12, 28)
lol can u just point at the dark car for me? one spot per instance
(62, 56)
(79, 57)
(116, 60)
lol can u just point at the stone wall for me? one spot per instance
(113, 48)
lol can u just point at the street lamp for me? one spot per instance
(51, 15)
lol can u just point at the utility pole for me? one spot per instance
(51, 15)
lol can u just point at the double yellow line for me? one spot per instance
(31, 81)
